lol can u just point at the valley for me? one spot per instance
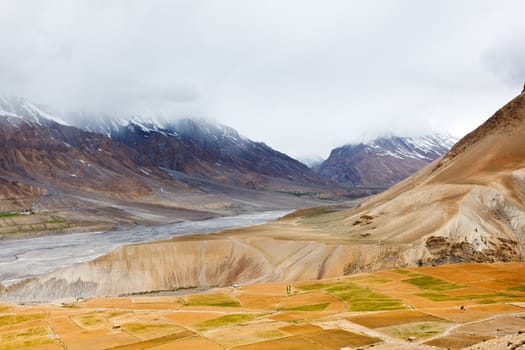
(21, 259)
(253, 175)
(138, 173)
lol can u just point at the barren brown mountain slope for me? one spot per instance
(467, 206)
(18, 196)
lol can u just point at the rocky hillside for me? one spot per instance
(204, 149)
(385, 161)
(18, 196)
(35, 147)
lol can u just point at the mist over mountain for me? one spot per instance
(185, 168)
(207, 149)
(270, 68)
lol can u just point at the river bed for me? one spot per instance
(20, 259)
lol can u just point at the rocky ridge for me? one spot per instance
(205, 149)
(385, 161)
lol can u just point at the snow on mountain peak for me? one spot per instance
(182, 127)
(17, 107)
(384, 161)
(426, 147)
(189, 128)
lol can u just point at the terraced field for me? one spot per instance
(12, 224)
(450, 307)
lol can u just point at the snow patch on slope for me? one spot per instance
(425, 148)
(17, 107)
(186, 128)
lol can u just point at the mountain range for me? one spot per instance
(128, 170)
(140, 173)
(193, 146)
(385, 161)
(206, 149)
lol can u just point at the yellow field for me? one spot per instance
(451, 306)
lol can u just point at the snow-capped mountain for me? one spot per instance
(17, 107)
(427, 147)
(111, 125)
(198, 130)
(201, 148)
(384, 161)
(195, 147)
(42, 154)
(138, 159)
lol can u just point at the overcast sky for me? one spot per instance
(303, 76)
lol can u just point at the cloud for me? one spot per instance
(507, 60)
(304, 76)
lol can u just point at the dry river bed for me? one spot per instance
(20, 259)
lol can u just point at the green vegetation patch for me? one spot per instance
(44, 226)
(418, 330)
(224, 321)
(369, 279)
(315, 286)
(364, 299)
(26, 338)
(480, 298)
(5, 309)
(25, 344)
(301, 194)
(375, 304)
(406, 273)
(517, 289)
(310, 212)
(434, 296)
(30, 332)
(9, 215)
(270, 334)
(432, 283)
(112, 314)
(211, 300)
(69, 305)
(9, 320)
(313, 307)
(92, 320)
(144, 328)
(356, 297)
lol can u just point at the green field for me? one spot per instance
(211, 300)
(432, 283)
(226, 320)
(357, 298)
